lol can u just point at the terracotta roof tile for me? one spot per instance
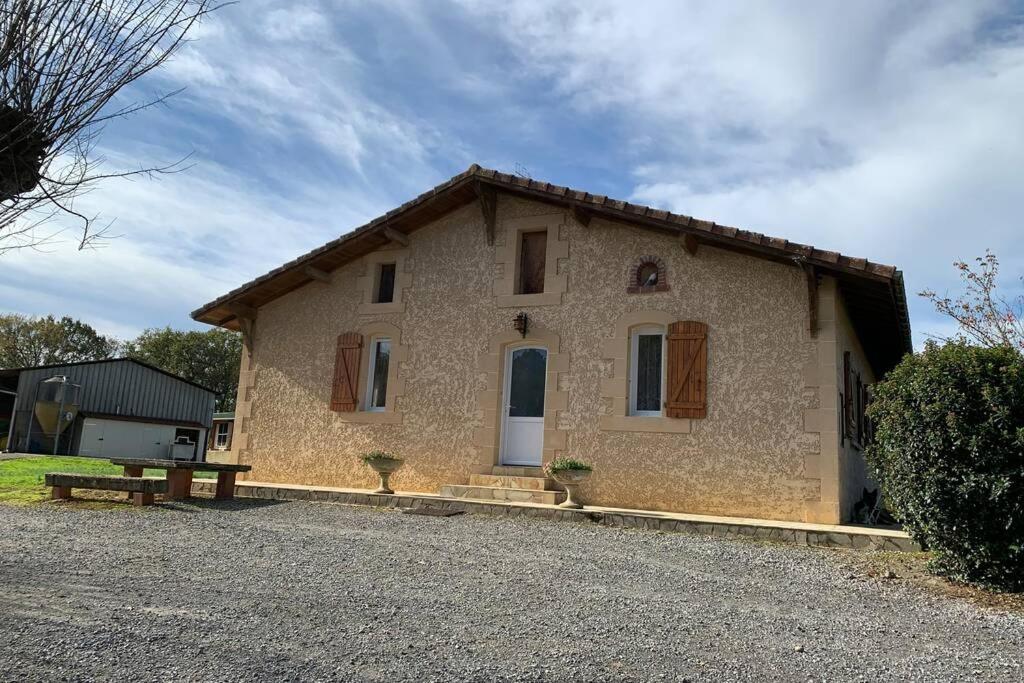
(827, 256)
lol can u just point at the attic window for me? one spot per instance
(386, 283)
(532, 257)
(647, 275)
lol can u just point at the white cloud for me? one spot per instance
(886, 130)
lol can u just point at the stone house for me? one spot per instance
(497, 322)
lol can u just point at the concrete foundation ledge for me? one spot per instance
(801, 533)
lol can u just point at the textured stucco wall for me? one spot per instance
(754, 455)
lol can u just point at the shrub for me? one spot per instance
(378, 455)
(949, 454)
(563, 464)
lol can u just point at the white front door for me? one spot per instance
(522, 440)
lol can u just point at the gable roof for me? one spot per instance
(874, 293)
(14, 372)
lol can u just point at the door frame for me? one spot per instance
(505, 398)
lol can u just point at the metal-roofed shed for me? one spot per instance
(110, 408)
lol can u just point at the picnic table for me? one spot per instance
(179, 474)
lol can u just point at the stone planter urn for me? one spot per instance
(384, 467)
(570, 479)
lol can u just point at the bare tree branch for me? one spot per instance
(61, 64)
(983, 315)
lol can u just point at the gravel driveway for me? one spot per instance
(249, 591)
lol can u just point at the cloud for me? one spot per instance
(884, 130)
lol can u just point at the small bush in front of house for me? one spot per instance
(949, 453)
(377, 455)
(563, 464)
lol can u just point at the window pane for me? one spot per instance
(386, 286)
(531, 262)
(526, 383)
(648, 372)
(382, 353)
(222, 434)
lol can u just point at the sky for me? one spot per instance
(887, 130)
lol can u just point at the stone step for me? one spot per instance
(501, 493)
(506, 482)
(516, 471)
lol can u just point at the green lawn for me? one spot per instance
(21, 479)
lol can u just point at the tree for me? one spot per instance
(985, 317)
(210, 358)
(61, 64)
(27, 341)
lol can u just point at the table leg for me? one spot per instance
(176, 481)
(140, 499)
(132, 471)
(225, 486)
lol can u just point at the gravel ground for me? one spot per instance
(250, 591)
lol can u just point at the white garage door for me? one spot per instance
(121, 439)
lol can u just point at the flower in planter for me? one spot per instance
(569, 473)
(384, 464)
(563, 464)
(373, 456)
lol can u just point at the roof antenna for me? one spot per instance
(521, 171)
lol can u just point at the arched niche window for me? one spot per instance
(648, 275)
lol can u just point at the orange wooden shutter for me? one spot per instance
(346, 372)
(687, 394)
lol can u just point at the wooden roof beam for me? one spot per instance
(690, 243)
(317, 274)
(488, 198)
(396, 236)
(246, 316)
(240, 311)
(812, 298)
(582, 216)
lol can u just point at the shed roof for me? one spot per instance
(13, 372)
(874, 292)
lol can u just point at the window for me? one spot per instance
(377, 376)
(385, 283)
(647, 371)
(532, 256)
(647, 275)
(221, 440)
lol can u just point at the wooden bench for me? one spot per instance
(179, 474)
(141, 489)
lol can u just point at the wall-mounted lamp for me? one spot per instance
(522, 323)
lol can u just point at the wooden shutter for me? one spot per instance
(687, 394)
(848, 400)
(346, 372)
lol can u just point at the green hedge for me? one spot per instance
(949, 454)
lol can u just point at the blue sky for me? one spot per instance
(887, 130)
